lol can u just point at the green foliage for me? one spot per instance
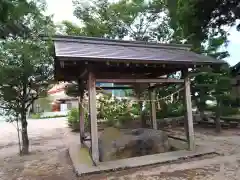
(71, 29)
(26, 61)
(227, 111)
(137, 19)
(73, 119)
(193, 19)
(116, 111)
(23, 18)
(38, 116)
(26, 64)
(25, 70)
(35, 116)
(73, 116)
(171, 110)
(174, 109)
(201, 23)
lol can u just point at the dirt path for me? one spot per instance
(49, 158)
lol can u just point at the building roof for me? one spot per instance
(115, 58)
(236, 69)
(57, 88)
(97, 49)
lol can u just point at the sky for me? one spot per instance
(62, 10)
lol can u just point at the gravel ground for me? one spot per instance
(49, 158)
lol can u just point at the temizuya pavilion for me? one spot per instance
(91, 60)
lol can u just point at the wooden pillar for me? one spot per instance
(153, 108)
(81, 120)
(189, 116)
(93, 116)
(81, 110)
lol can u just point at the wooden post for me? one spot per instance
(153, 108)
(81, 116)
(93, 116)
(81, 110)
(189, 116)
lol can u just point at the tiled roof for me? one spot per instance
(85, 48)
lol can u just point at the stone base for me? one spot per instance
(83, 166)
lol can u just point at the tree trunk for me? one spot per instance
(19, 140)
(217, 119)
(25, 141)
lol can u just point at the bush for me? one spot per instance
(116, 112)
(170, 110)
(73, 116)
(227, 111)
(73, 119)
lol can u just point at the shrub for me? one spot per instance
(171, 110)
(115, 111)
(73, 119)
(73, 116)
(227, 111)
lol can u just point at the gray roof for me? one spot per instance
(236, 68)
(87, 48)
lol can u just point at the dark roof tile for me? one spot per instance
(97, 48)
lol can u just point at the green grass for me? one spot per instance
(38, 116)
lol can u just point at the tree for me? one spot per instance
(136, 19)
(133, 19)
(15, 16)
(192, 19)
(201, 23)
(25, 69)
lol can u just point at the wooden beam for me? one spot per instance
(154, 85)
(153, 109)
(163, 80)
(189, 116)
(178, 138)
(93, 117)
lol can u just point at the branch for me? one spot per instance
(148, 23)
(3, 107)
(31, 101)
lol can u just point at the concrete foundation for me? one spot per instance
(83, 163)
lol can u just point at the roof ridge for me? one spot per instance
(105, 41)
